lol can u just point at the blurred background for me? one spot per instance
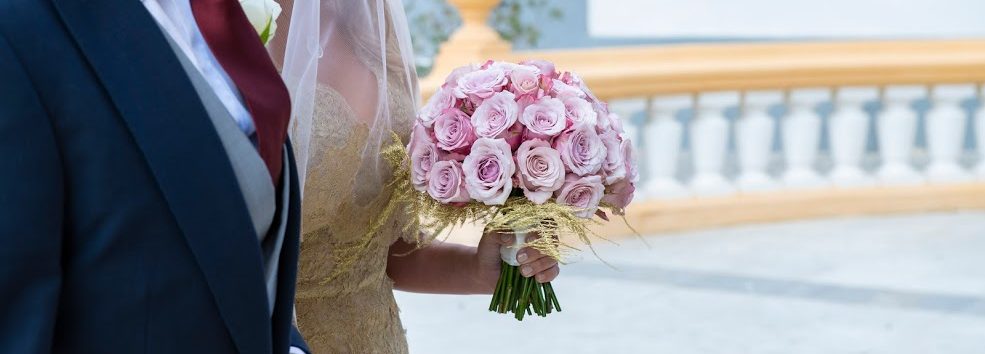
(813, 178)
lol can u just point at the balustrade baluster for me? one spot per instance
(754, 140)
(709, 142)
(849, 129)
(897, 128)
(945, 133)
(802, 137)
(980, 132)
(663, 134)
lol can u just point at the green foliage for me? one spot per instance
(433, 21)
(518, 21)
(265, 36)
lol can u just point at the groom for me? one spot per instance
(148, 197)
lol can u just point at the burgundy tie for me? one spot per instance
(237, 47)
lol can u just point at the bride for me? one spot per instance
(349, 67)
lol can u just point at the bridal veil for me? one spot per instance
(360, 49)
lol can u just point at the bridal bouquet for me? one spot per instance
(524, 149)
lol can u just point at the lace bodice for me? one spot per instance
(355, 311)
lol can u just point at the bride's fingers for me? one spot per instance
(537, 266)
(548, 275)
(505, 239)
(527, 255)
(499, 238)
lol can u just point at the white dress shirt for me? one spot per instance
(176, 19)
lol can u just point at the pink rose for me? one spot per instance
(423, 154)
(514, 136)
(496, 115)
(481, 84)
(591, 95)
(546, 84)
(560, 89)
(579, 112)
(525, 101)
(629, 158)
(540, 171)
(441, 101)
(581, 150)
(489, 170)
(447, 182)
(524, 80)
(506, 66)
(615, 122)
(602, 112)
(582, 193)
(545, 67)
(453, 131)
(570, 79)
(452, 80)
(544, 118)
(452, 156)
(619, 195)
(614, 166)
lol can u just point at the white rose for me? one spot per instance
(263, 16)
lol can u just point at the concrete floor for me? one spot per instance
(894, 284)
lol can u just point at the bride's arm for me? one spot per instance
(446, 268)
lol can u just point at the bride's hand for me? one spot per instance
(532, 262)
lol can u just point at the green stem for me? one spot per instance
(548, 302)
(540, 300)
(533, 296)
(494, 303)
(505, 301)
(518, 290)
(522, 296)
(521, 306)
(553, 296)
(528, 287)
(517, 309)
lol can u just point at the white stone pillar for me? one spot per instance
(662, 136)
(896, 131)
(945, 133)
(754, 140)
(709, 143)
(849, 129)
(802, 138)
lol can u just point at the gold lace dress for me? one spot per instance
(354, 312)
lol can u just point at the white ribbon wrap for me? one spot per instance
(508, 252)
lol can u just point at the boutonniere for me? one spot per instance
(263, 16)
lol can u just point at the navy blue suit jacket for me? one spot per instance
(122, 227)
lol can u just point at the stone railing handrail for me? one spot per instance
(651, 70)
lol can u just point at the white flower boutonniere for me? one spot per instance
(263, 16)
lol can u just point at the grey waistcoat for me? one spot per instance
(268, 214)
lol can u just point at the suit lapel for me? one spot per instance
(170, 125)
(288, 266)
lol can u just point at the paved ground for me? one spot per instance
(898, 284)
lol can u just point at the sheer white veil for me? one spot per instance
(361, 49)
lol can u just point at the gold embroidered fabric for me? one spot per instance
(355, 311)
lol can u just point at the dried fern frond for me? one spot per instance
(429, 218)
